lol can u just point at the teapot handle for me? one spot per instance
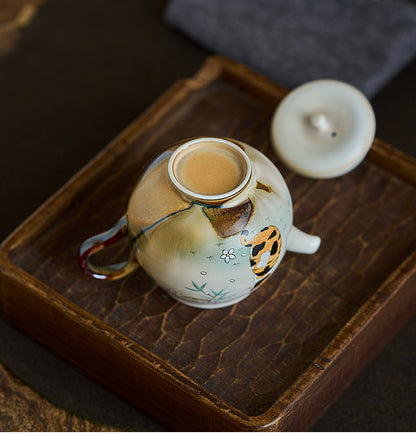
(99, 242)
(301, 242)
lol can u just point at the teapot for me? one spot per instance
(209, 221)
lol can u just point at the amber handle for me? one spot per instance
(100, 242)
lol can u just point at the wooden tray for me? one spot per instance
(276, 360)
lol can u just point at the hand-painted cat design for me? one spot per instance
(265, 249)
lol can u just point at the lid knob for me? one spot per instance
(319, 121)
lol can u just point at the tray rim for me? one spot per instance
(215, 67)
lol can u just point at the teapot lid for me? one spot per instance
(323, 128)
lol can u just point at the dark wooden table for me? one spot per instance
(72, 76)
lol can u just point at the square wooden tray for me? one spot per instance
(274, 361)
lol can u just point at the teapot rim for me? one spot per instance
(210, 198)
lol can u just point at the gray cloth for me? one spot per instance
(362, 42)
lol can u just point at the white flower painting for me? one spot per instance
(228, 255)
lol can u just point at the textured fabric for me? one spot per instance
(362, 42)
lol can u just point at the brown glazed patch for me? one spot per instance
(263, 187)
(231, 220)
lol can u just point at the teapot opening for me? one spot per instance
(209, 169)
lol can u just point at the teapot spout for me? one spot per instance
(301, 242)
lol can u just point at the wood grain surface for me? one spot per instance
(264, 355)
(22, 409)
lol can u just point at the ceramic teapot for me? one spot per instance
(209, 220)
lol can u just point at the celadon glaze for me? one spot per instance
(207, 250)
(199, 251)
(323, 128)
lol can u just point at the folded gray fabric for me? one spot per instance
(362, 42)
